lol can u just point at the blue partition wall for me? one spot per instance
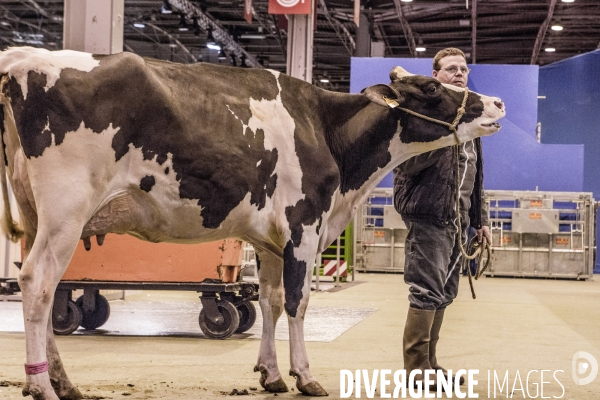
(570, 113)
(513, 159)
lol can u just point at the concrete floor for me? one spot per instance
(514, 326)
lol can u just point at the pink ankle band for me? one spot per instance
(34, 369)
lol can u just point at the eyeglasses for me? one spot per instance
(453, 69)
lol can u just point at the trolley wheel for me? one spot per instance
(98, 317)
(71, 321)
(247, 316)
(231, 321)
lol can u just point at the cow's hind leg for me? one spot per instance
(297, 279)
(271, 305)
(63, 388)
(59, 380)
(44, 266)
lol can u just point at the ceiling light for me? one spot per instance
(213, 46)
(324, 80)
(568, 1)
(550, 49)
(252, 36)
(182, 24)
(166, 8)
(5, 23)
(406, 1)
(556, 28)
(210, 40)
(139, 25)
(420, 49)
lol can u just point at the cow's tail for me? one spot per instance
(7, 124)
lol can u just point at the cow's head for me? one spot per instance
(430, 98)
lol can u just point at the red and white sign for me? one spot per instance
(248, 11)
(290, 6)
(329, 268)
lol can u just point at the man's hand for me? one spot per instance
(484, 232)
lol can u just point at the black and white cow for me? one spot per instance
(194, 153)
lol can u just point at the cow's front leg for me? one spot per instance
(59, 380)
(297, 278)
(271, 306)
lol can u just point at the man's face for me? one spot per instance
(453, 70)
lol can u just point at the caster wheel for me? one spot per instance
(98, 317)
(247, 316)
(231, 321)
(71, 321)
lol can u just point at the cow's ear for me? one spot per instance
(397, 73)
(383, 95)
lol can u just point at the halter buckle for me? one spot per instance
(391, 103)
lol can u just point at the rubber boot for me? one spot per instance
(434, 337)
(416, 341)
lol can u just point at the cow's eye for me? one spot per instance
(431, 88)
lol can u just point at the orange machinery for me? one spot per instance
(127, 259)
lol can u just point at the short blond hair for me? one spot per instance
(448, 51)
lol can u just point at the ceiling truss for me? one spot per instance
(488, 31)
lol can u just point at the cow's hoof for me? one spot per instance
(312, 389)
(37, 394)
(72, 394)
(278, 386)
(66, 390)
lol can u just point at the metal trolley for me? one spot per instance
(542, 234)
(227, 308)
(126, 263)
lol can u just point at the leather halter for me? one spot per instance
(452, 126)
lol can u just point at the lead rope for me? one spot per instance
(476, 248)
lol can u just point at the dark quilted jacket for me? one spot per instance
(424, 188)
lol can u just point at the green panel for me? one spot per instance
(330, 253)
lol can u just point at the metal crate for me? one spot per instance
(541, 234)
(380, 234)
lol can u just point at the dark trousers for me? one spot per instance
(432, 264)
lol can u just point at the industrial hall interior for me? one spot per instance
(299, 199)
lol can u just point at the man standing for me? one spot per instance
(424, 194)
